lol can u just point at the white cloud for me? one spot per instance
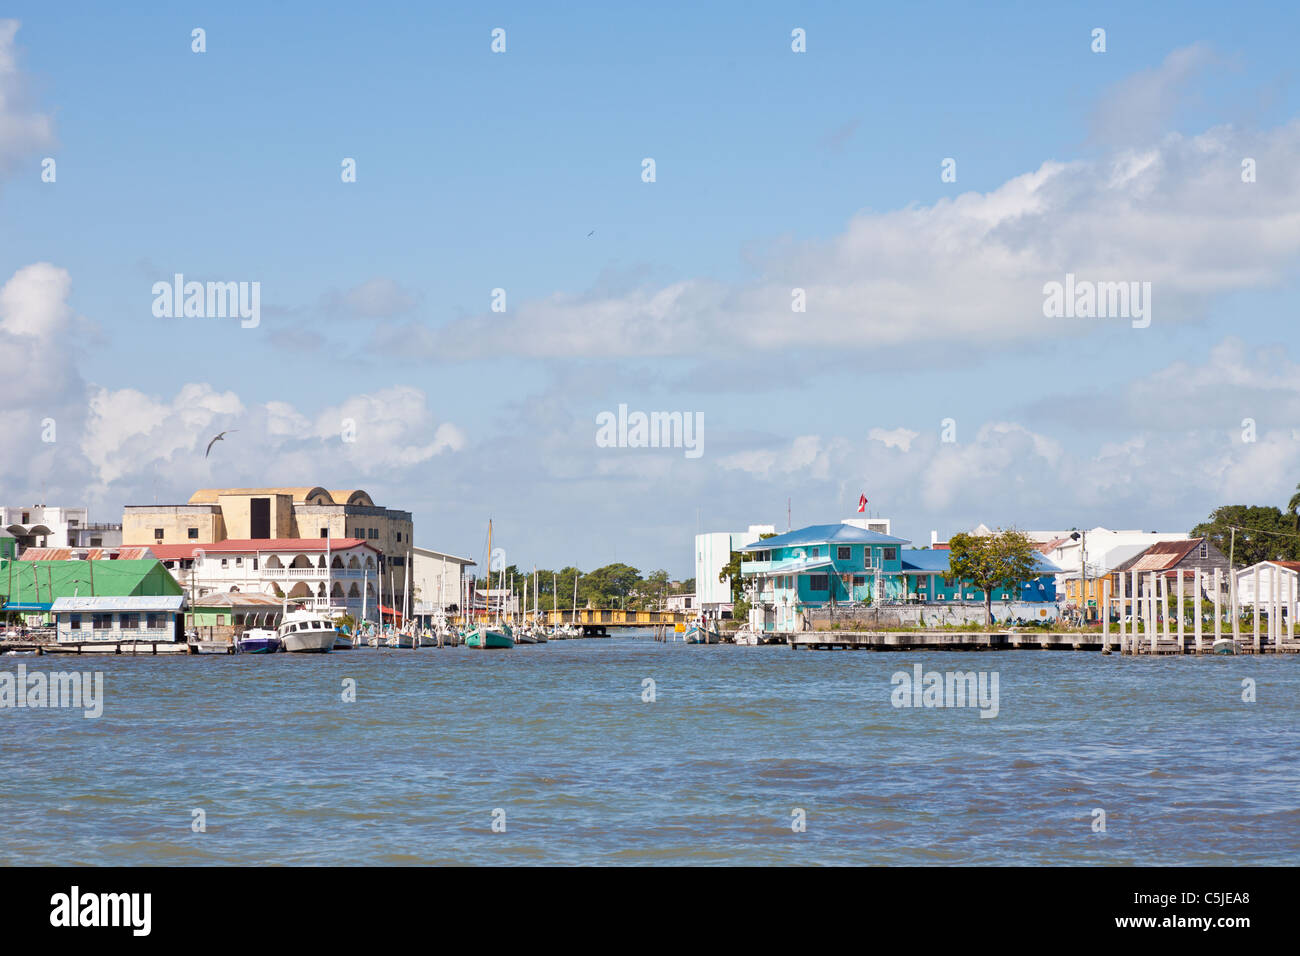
(964, 271)
(34, 302)
(23, 131)
(895, 438)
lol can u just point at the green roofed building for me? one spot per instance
(30, 587)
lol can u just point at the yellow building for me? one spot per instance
(253, 514)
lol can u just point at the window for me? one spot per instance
(128, 621)
(27, 517)
(818, 582)
(324, 532)
(158, 534)
(221, 619)
(225, 562)
(890, 554)
(74, 621)
(73, 523)
(816, 552)
(399, 536)
(192, 533)
(255, 564)
(374, 532)
(239, 562)
(1205, 550)
(102, 622)
(96, 542)
(843, 554)
(866, 558)
(859, 580)
(154, 621)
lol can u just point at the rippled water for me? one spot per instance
(558, 736)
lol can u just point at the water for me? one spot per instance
(559, 738)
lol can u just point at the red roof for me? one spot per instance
(174, 552)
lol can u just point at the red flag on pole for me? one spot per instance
(862, 503)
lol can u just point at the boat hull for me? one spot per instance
(309, 642)
(259, 645)
(484, 638)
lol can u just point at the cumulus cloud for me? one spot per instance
(1136, 473)
(968, 270)
(23, 130)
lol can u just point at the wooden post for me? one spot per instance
(1138, 610)
(1105, 614)
(1290, 608)
(1164, 602)
(1123, 641)
(1218, 595)
(1257, 603)
(1181, 646)
(1197, 585)
(1236, 613)
(1153, 628)
(1275, 605)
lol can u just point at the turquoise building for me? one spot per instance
(843, 564)
(823, 564)
(930, 581)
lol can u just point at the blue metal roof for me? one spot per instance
(936, 559)
(933, 559)
(824, 534)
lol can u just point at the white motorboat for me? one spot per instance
(305, 632)
(1224, 645)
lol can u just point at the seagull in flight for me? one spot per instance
(590, 234)
(220, 437)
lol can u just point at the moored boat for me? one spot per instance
(1224, 645)
(487, 637)
(303, 632)
(258, 640)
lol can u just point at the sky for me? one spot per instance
(922, 371)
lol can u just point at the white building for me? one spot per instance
(436, 579)
(41, 526)
(1286, 574)
(1106, 549)
(339, 574)
(712, 552)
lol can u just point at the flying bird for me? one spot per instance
(220, 437)
(590, 234)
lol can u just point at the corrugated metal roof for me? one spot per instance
(824, 534)
(238, 599)
(1161, 555)
(937, 560)
(127, 603)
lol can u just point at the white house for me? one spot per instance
(1285, 573)
(339, 574)
(41, 526)
(436, 579)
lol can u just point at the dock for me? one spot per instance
(1008, 641)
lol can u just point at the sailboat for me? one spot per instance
(498, 635)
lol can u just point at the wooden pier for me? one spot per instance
(944, 640)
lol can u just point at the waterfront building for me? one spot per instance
(712, 554)
(335, 574)
(436, 579)
(223, 615)
(81, 620)
(216, 515)
(929, 580)
(41, 526)
(1166, 559)
(8, 545)
(32, 587)
(1288, 579)
(820, 565)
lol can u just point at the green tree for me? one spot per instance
(1293, 508)
(1263, 533)
(654, 589)
(731, 572)
(1003, 560)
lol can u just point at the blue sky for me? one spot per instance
(479, 170)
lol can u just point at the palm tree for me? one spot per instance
(1293, 507)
